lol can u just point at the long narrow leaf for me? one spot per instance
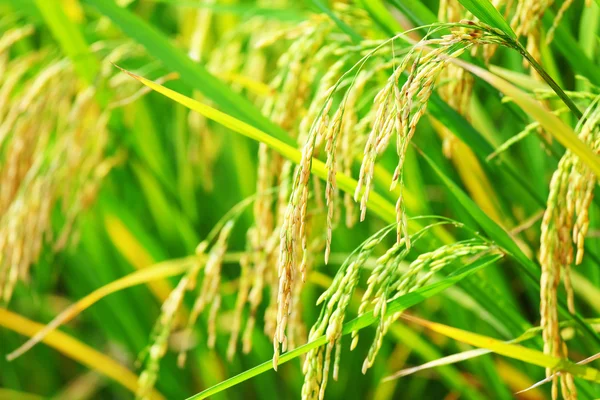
(510, 350)
(149, 274)
(376, 203)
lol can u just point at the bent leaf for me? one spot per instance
(376, 203)
(149, 274)
(514, 351)
(74, 349)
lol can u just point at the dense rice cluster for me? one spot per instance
(312, 126)
(564, 228)
(53, 137)
(398, 108)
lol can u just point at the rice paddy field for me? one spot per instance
(318, 199)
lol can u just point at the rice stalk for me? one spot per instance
(395, 110)
(564, 227)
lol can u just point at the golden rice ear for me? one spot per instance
(564, 228)
(34, 183)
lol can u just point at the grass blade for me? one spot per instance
(376, 203)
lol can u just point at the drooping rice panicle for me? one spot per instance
(399, 110)
(33, 137)
(390, 278)
(564, 227)
(160, 336)
(336, 299)
(54, 140)
(293, 229)
(205, 277)
(387, 282)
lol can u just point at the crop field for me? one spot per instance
(314, 199)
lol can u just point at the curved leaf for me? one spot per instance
(75, 350)
(515, 351)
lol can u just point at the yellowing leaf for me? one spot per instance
(550, 122)
(134, 252)
(75, 350)
(160, 271)
(376, 203)
(515, 351)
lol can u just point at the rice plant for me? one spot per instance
(322, 199)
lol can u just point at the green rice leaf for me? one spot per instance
(487, 13)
